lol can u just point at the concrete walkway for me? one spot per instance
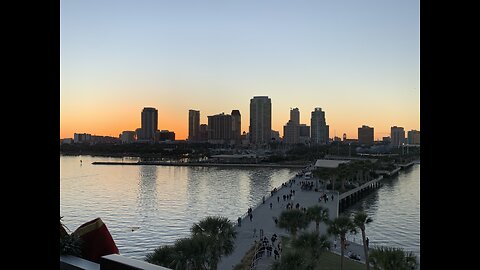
(263, 218)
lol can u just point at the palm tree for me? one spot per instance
(221, 233)
(312, 243)
(318, 214)
(340, 226)
(364, 168)
(388, 258)
(320, 174)
(302, 253)
(370, 167)
(294, 259)
(199, 251)
(343, 173)
(183, 252)
(163, 256)
(360, 219)
(292, 220)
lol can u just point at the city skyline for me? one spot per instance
(359, 62)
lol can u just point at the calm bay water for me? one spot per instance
(395, 210)
(163, 202)
(148, 206)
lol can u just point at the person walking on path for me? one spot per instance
(254, 232)
(366, 241)
(239, 222)
(251, 217)
(270, 205)
(276, 254)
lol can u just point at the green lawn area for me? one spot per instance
(331, 261)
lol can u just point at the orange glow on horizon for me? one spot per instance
(111, 124)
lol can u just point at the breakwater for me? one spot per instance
(164, 163)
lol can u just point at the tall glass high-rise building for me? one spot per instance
(295, 116)
(260, 120)
(193, 125)
(236, 126)
(319, 128)
(149, 123)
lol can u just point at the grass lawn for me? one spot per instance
(331, 261)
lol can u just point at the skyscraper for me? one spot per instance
(293, 131)
(398, 135)
(260, 120)
(319, 127)
(203, 133)
(149, 123)
(224, 128)
(236, 126)
(365, 135)
(220, 128)
(193, 125)
(295, 116)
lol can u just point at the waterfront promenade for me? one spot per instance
(264, 218)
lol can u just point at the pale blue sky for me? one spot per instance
(358, 60)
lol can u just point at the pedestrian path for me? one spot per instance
(263, 218)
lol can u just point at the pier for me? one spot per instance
(350, 197)
(264, 218)
(404, 166)
(388, 173)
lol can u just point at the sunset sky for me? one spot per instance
(358, 60)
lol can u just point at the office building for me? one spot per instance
(236, 126)
(127, 136)
(319, 128)
(260, 120)
(81, 137)
(149, 124)
(398, 135)
(164, 135)
(295, 116)
(220, 129)
(413, 137)
(203, 133)
(193, 125)
(365, 135)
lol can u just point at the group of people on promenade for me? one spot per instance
(267, 246)
(306, 185)
(325, 198)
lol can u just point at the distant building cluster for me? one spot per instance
(148, 132)
(317, 133)
(225, 129)
(221, 128)
(86, 138)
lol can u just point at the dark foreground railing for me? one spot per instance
(108, 262)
